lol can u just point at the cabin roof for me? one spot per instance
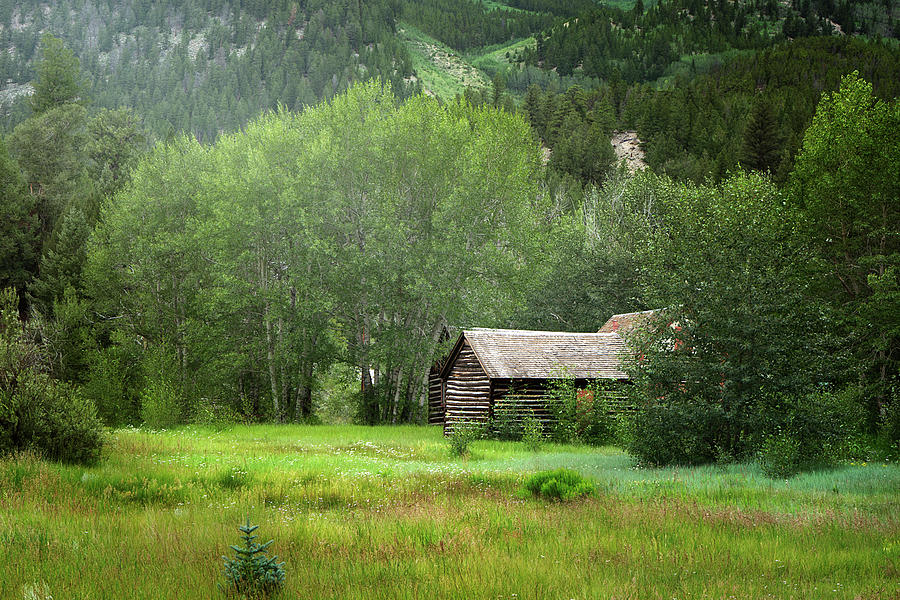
(522, 354)
(625, 323)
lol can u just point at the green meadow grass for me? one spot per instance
(492, 58)
(443, 71)
(384, 512)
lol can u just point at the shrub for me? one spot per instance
(114, 381)
(464, 433)
(676, 434)
(506, 423)
(252, 574)
(581, 415)
(819, 426)
(532, 433)
(36, 412)
(561, 484)
(160, 406)
(562, 404)
(214, 414)
(779, 456)
(889, 427)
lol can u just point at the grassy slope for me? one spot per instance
(443, 71)
(492, 58)
(384, 513)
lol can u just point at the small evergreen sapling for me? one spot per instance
(252, 574)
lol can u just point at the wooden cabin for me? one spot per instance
(486, 363)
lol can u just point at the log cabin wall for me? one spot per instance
(435, 402)
(467, 390)
(531, 397)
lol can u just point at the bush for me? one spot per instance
(36, 412)
(889, 428)
(114, 381)
(251, 574)
(802, 432)
(676, 434)
(463, 434)
(561, 484)
(217, 415)
(581, 415)
(160, 405)
(506, 424)
(532, 433)
(779, 456)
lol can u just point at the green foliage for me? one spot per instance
(562, 403)
(560, 485)
(779, 456)
(222, 66)
(532, 433)
(62, 261)
(818, 424)
(761, 150)
(464, 25)
(19, 236)
(462, 434)
(742, 325)
(36, 412)
(322, 237)
(663, 434)
(217, 415)
(59, 80)
(845, 186)
(889, 426)
(160, 399)
(508, 418)
(114, 380)
(252, 574)
(581, 415)
(707, 121)
(49, 148)
(116, 141)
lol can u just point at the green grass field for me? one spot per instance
(384, 512)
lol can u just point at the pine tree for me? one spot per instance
(59, 79)
(19, 237)
(62, 262)
(251, 572)
(761, 149)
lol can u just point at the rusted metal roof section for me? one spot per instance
(625, 323)
(519, 354)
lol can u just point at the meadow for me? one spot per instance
(385, 512)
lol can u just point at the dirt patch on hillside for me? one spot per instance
(628, 150)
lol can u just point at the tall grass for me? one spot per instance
(385, 512)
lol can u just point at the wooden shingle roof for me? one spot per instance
(522, 354)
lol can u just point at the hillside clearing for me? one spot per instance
(444, 73)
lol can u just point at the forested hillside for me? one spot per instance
(750, 110)
(206, 67)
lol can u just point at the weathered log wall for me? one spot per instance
(467, 390)
(435, 403)
(530, 396)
